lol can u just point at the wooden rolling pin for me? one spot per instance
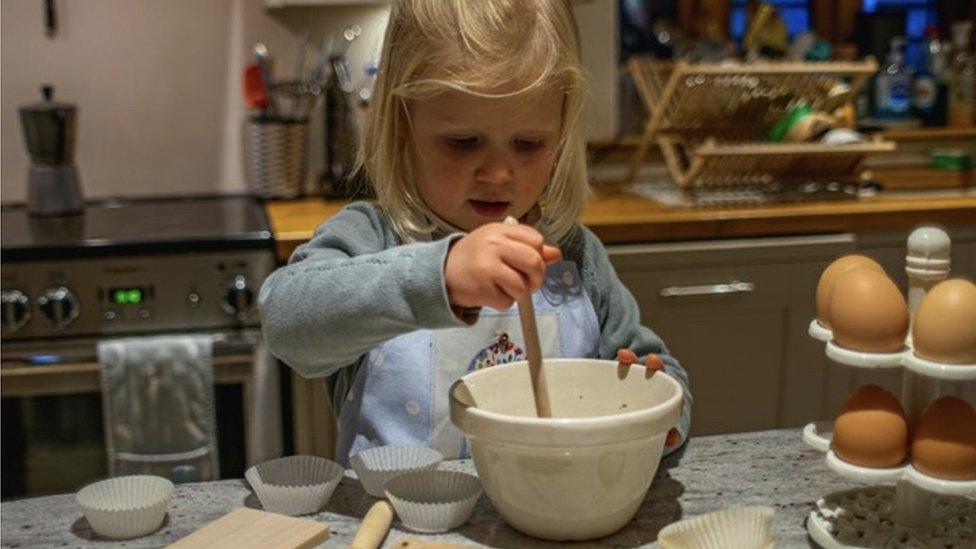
(532, 349)
(375, 525)
(416, 543)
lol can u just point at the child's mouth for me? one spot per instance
(489, 209)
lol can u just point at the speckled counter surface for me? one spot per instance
(771, 468)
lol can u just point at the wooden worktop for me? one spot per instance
(619, 216)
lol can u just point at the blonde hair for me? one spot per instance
(473, 46)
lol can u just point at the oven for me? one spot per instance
(123, 269)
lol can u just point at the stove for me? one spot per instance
(129, 268)
(133, 267)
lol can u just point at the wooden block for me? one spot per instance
(245, 527)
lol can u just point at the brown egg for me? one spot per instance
(945, 440)
(871, 429)
(830, 274)
(945, 323)
(867, 312)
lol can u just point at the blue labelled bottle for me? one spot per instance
(930, 93)
(893, 86)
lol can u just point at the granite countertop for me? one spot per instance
(771, 468)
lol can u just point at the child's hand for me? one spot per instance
(497, 264)
(654, 363)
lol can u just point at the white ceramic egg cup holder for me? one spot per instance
(920, 510)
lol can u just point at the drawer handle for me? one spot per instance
(734, 287)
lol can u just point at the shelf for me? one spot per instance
(906, 358)
(860, 359)
(954, 372)
(813, 438)
(818, 331)
(721, 164)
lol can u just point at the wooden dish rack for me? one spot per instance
(711, 122)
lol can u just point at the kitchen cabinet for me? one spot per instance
(735, 313)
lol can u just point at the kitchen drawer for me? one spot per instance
(735, 314)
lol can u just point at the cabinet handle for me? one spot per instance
(734, 287)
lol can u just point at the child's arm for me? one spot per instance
(351, 288)
(620, 326)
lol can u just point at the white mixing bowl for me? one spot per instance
(583, 473)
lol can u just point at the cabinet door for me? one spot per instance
(735, 314)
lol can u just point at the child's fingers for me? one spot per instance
(673, 438)
(525, 234)
(512, 283)
(526, 261)
(551, 254)
(654, 362)
(626, 357)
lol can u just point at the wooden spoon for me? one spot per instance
(532, 350)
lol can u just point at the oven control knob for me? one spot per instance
(59, 305)
(16, 309)
(239, 298)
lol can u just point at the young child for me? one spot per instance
(476, 117)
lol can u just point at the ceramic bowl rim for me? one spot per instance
(618, 420)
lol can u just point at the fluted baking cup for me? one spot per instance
(434, 501)
(295, 485)
(125, 507)
(377, 466)
(733, 528)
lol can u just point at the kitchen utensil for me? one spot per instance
(434, 501)
(319, 75)
(584, 475)
(340, 179)
(255, 92)
(295, 485)
(49, 132)
(250, 528)
(263, 58)
(415, 543)
(375, 525)
(299, 96)
(125, 507)
(377, 466)
(533, 352)
(734, 528)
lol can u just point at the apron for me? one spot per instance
(399, 395)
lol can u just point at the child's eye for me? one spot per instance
(462, 143)
(528, 144)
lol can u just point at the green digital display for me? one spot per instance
(126, 296)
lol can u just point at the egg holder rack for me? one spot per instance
(921, 510)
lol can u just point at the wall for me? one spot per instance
(158, 83)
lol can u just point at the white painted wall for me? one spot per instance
(158, 83)
(598, 23)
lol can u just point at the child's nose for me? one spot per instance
(495, 168)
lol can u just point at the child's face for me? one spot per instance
(476, 160)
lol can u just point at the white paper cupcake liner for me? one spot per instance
(295, 485)
(733, 528)
(377, 466)
(434, 501)
(125, 507)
